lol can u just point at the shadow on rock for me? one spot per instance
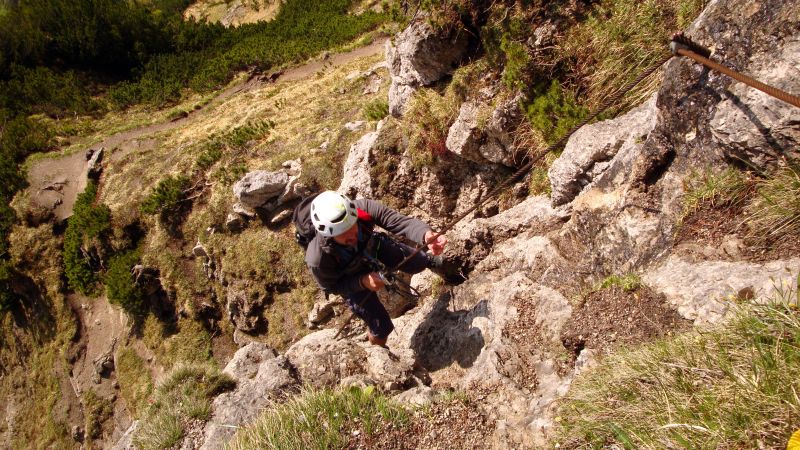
(448, 336)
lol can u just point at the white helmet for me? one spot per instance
(332, 213)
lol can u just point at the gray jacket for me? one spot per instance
(322, 253)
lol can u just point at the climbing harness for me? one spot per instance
(391, 281)
(680, 45)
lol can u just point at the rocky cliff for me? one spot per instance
(512, 334)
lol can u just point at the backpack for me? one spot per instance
(304, 231)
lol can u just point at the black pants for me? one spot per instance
(365, 304)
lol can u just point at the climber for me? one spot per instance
(336, 231)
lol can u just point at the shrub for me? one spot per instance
(7, 298)
(166, 196)
(83, 240)
(554, 111)
(376, 110)
(121, 287)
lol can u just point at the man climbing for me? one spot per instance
(343, 233)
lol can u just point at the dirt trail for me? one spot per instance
(54, 183)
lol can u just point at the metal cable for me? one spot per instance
(767, 89)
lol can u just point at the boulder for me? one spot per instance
(257, 188)
(356, 178)
(420, 56)
(260, 375)
(322, 310)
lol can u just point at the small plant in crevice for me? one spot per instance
(728, 188)
(629, 282)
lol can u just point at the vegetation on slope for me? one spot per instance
(727, 388)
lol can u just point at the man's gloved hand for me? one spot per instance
(436, 247)
(372, 281)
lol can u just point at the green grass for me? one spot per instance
(620, 39)
(376, 110)
(318, 419)
(135, 382)
(727, 188)
(774, 211)
(628, 282)
(186, 393)
(732, 387)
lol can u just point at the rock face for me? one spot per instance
(419, 57)
(356, 180)
(755, 126)
(243, 311)
(260, 374)
(590, 151)
(494, 142)
(706, 291)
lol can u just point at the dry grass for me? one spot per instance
(774, 211)
(319, 419)
(733, 387)
(135, 381)
(214, 11)
(619, 40)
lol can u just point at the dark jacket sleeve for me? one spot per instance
(394, 222)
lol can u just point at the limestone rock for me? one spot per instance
(94, 166)
(419, 57)
(464, 138)
(355, 126)
(356, 178)
(589, 151)
(244, 311)
(257, 188)
(322, 310)
(705, 291)
(259, 374)
(753, 125)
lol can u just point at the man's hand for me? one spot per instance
(437, 246)
(372, 281)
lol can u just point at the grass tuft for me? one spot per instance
(318, 419)
(727, 188)
(628, 283)
(775, 210)
(186, 393)
(731, 387)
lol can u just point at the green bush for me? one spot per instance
(166, 196)
(120, 284)
(376, 110)
(554, 111)
(84, 240)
